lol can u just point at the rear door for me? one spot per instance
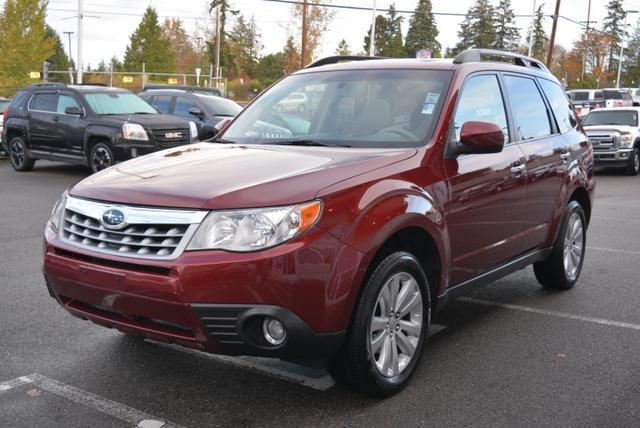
(486, 209)
(546, 153)
(42, 125)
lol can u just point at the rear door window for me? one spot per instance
(481, 100)
(565, 117)
(44, 101)
(162, 103)
(528, 108)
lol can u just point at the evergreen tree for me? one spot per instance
(187, 59)
(394, 47)
(381, 40)
(24, 43)
(271, 67)
(507, 33)
(150, 46)
(343, 48)
(612, 25)
(244, 46)
(59, 61)
(539, 36)
(478, 30)
(422, 32)
(291, 56)
(631, 63)
(225, 10)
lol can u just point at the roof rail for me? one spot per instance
(339, 58)
(34, 85)
(91, 84)
(476, 55)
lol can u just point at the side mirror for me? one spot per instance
(195, 111)
(74, 111)
(221, 126)
(481, 137)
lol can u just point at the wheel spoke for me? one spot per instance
(405, 344)
(405, 292)
(384, 301)
(395, 360)
(379, 323)
(376, 344)
(385, 355)
(394, 287)
(411, 327)
(412, 303)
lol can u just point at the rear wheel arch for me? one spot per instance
(581, 196)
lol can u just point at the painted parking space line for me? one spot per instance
(557, 314)
(112, 408)
(318, 379)
(616, 219)
(615, 250)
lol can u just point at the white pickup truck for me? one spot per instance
(615, 136)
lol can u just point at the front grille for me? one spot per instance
(602, 141)
(221, 322)
(160, 135)
(148, 232)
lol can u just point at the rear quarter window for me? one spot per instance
(565, 117)
(528, 107)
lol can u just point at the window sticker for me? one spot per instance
(432, 98)
(428, 108)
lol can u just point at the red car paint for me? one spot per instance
(476, 212)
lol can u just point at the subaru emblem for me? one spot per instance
(113, 219)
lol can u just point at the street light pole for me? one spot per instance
(372, 35)
(80, 17)
(69, 33)
(624, 31)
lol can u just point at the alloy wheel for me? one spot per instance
(17, 153)
(101, 159)
(636, 161)
(573, 246)
(396, 324)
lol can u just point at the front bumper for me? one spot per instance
(612, 158)
(215, 301)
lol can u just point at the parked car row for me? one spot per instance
(334, 236)
(585, 100)
(98, 126)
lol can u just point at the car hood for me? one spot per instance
(610, 128)
(152, 121)
(224, 176)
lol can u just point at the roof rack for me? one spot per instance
(34, 85)
(476, 55)
(340, 58)
(91, 84)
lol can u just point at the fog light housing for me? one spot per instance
(274, 331)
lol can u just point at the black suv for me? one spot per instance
(205, 110)
(89, 125)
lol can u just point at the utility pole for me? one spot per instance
(217, 45)
(372, 35)
(584, 57)
(533, 24)
(69, 33)
(552, 39)
(80, 17)
(303, 47)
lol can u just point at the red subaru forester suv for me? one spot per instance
(333, 232)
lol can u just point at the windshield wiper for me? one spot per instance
(219, 140)
(305, 142)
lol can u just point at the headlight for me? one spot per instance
(254, 229)
(625, 141)
(193, 131)
(56, 212)
(133, 131)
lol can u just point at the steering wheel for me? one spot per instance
(404, 133)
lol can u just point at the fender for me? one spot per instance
(108, 132)
(17, 124)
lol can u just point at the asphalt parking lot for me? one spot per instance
(510, 354)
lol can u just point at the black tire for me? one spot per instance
(20, 160)
(101, 157)
(355, 365)
(633, 168)
(552, 273)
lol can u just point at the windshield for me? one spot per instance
(613, 95)
(580, 96)
(220, 107)
(358, 108)
(620, 117)
(118, 103)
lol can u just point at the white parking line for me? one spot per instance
(96, 402)
(616, 219)
(615, 250)
(600, 321)
(275, 368)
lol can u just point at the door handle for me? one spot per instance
(565, 157)
(518, 169)
(56, 118)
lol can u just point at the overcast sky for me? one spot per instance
(111, 22)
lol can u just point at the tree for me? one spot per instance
(271, 68)
(225, 10)
(318, 20)
(381, 40)
(612, 24)
(478, 28)
(422, 32)
(507, 32)
(631, 63)
(539, 36)
(343, 48)
(59, 61)
(187, 58)
(24, 43)
(394, 47)
(244, 47)
(149, 46)
(291, 56)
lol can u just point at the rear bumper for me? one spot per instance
(617, 158)
(215, 301)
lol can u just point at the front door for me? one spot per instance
(487, 191)
(42, 127)
(70, 127)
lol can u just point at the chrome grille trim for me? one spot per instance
(150, 233)
(603, 141)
